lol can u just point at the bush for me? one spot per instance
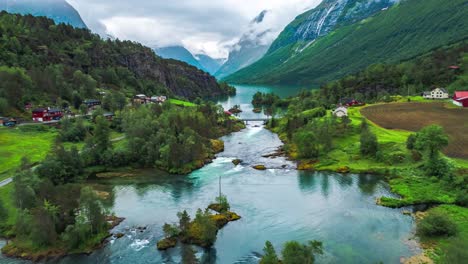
(436, 224)
(462, 199)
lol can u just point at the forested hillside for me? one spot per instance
(445, 67)
(44, 63)
(408, 29)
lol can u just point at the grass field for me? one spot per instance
(31, 142)
(181, 103)
(414, 116)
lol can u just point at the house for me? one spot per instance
(460, 98)
(437, 93)
(90, 103)
(158, 99)
(352, 102)
(109, 116)
(340, 111)
(141, 99)
(46, 114)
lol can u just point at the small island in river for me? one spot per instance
(200, 231)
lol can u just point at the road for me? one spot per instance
(5, 182)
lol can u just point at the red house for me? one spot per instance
(460, 98)
(46, 114)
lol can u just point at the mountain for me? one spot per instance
(60, 63)
(403, 31)
(327, 16)
(179, 53)
(251, 47)
(208, 63)
(58, 10)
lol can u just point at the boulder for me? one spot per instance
(237, 161)
(259, 167)
(344, 169)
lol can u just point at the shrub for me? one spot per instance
(436, 224)
(462, 199)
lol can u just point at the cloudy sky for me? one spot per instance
(202, 26)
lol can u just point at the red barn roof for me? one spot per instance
(460, 94)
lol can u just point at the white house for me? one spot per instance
(437, 93)
(340, 111)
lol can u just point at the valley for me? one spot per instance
(321, 131)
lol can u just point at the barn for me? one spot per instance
(460, 98)
(46, 114)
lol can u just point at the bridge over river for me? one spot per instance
(247, 120)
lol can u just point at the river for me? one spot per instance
(279, 204)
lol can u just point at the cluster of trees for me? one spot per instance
(53, 211)
(173, 138)
(260, 99)
(378, 82)
(293, 253)
(46, 64)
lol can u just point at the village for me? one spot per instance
(52, 115)
(459, 99)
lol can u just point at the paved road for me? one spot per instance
(5, 182)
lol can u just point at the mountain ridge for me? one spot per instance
(410, 28)
(58, 10)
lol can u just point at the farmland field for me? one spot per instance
(414, 116)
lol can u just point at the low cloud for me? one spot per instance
(208, 27)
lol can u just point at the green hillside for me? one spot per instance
(47, 64)
(404, 31)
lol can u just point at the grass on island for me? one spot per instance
(439, 248)
(181, 103)
(33, 142)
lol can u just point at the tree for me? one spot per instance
(223, 202)
(411, 142)
(23, 194)
(456, 251)
(269, 254)
(296, 253)
(3, 212)
(184, 221)
(91, 210)
(170, 230)
(307, 144)
(431, 139)
(204, 228)
(369, 144)
(14, 85)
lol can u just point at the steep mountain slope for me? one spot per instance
(208, 63)
(405, 30)
(179, 53)
(327, 16)
(59, 63)
(250, 48)
(58, 10)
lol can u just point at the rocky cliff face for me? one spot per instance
(58, 10)
(179, 77)
(326, 17)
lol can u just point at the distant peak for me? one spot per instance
(259, 19)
